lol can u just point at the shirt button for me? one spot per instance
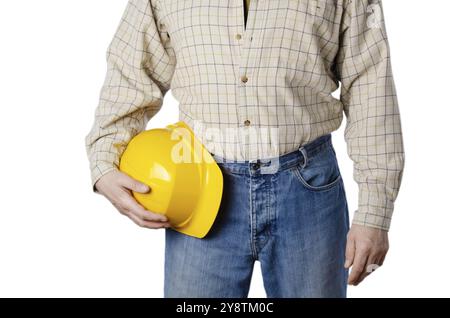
(244, 79)
(238, 36)
(247, 123)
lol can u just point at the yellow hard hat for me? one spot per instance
(186, 183)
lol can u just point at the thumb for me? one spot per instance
(349, 253)
(134, 185)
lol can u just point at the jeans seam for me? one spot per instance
(268, 207)
(252, 221)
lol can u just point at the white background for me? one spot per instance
(57, 238)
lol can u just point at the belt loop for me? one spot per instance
(305, 156)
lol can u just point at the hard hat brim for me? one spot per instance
(208, 204)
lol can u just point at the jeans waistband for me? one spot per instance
(274, 164)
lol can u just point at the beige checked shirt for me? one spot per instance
(271, 77)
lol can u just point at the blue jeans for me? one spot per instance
(293, 219)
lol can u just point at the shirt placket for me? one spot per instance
(244, 36)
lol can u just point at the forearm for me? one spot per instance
(140, 67)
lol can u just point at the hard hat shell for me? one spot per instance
(186, 183)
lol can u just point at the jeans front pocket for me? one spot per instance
(321, 172)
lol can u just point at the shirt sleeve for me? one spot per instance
(373, 130)
(140, 65)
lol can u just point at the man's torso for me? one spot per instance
(259, 88)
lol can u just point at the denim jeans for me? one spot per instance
(292, 219)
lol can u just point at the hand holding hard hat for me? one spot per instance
(186, 183)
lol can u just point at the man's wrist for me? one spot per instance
(98, 171)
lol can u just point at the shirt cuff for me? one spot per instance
(375, 209)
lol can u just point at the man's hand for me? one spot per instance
(116, 186)
(366, 249)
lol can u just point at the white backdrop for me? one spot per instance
(57, 238)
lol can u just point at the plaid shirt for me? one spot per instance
(269, 82)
